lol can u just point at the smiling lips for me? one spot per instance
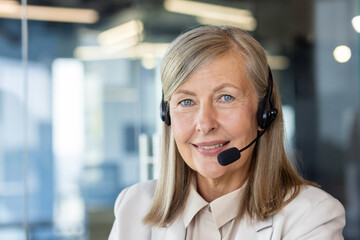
(213, 146)
(210, 148)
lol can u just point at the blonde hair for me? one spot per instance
(271, 177)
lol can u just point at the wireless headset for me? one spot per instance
(266, 113)
(165, 111)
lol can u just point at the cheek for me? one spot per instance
(181, 126)
(182, 130)
(240, 121)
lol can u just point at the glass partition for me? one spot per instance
(13, 106)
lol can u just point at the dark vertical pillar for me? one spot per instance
(305, 106)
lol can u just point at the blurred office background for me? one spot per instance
(80, 91)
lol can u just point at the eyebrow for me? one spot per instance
(218, 88)
(183, 91)
(225, 85)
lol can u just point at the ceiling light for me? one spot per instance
(342, 54)
(11, 9)
(213, 12)
(104, 52)
(142, 50)
(246, 25)
(356, 23)
(121, 32)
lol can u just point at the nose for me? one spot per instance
(206, 119)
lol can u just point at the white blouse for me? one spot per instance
(211, 221)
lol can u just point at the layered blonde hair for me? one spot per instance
(272, 181)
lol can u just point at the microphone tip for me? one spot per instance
(228, 156)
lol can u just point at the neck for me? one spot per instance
(211, 189)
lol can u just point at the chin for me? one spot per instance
(211, 170)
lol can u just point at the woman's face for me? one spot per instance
(215, 109)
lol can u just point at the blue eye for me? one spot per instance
(227, 98)
(186, 102)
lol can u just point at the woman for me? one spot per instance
(218, 94)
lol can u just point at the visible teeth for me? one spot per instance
(212, 147)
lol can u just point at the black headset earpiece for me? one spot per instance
(164, 111)
(266, 113)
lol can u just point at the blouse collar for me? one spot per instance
(223, 209)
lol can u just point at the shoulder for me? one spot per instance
(313, 212)
(140, 192)
(131, 206)
(311, 198)
(143, 189)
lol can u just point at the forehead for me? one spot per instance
(228, 68)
